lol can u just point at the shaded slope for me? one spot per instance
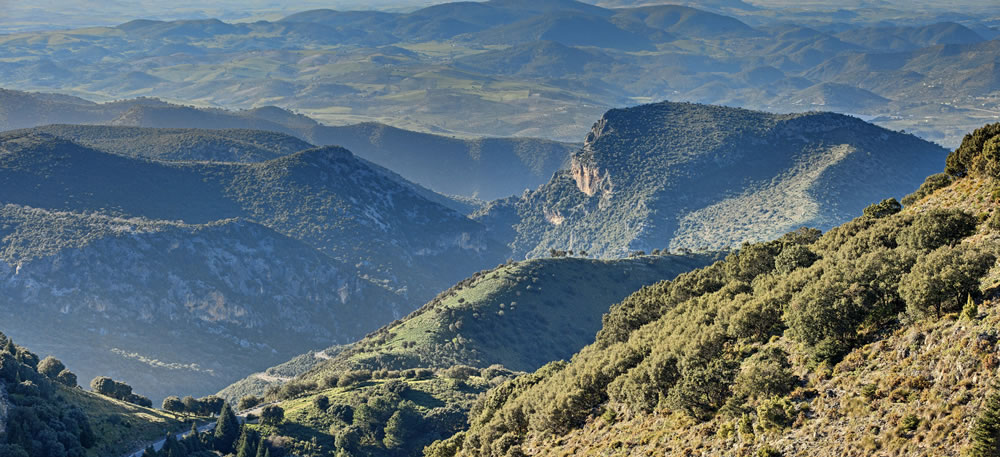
(175, 308)
(486, 168)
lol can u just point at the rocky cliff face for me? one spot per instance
(587, 177)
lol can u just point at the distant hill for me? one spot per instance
(833, 96)
(180, 144)
(356, 241)
(675, 175)
(538, 59)
(326, 197)
(572, 29)
(473, 69)
(911, 38)
(484, 168)
(685, 22)
(30, 109)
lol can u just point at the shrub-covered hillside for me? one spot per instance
(43, 413)
(877, 337)
(432, 364)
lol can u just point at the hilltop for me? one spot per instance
(686, 176)
(179, 144)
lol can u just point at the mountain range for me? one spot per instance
(217, 205)
(89, 239)
(563, 64)
(488, 168)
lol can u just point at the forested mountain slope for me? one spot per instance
(874, 338)
(197, 273)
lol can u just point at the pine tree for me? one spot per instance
(247, 445)
(227, 430)
(395, 431)
(986, 431)
(262, 450)
(192, 442)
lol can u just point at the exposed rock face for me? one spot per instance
(588, 177)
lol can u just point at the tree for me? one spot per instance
(249, 402)
(191, 406)
(703, 387)
(247, 444)
(763, 375)
(460, 372)
(321, 402)
(396, 430)
(937, 228)
(793, 257)
(66, 378)
(227, 430)
(970, 311)
(940, 281)
(51, 367)
(885, 208)
(964, 159)
(348, 438)
(262, 449)
(986, 431)
(272, 415)
(173, 404)
(211, 405)
(825, 315)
